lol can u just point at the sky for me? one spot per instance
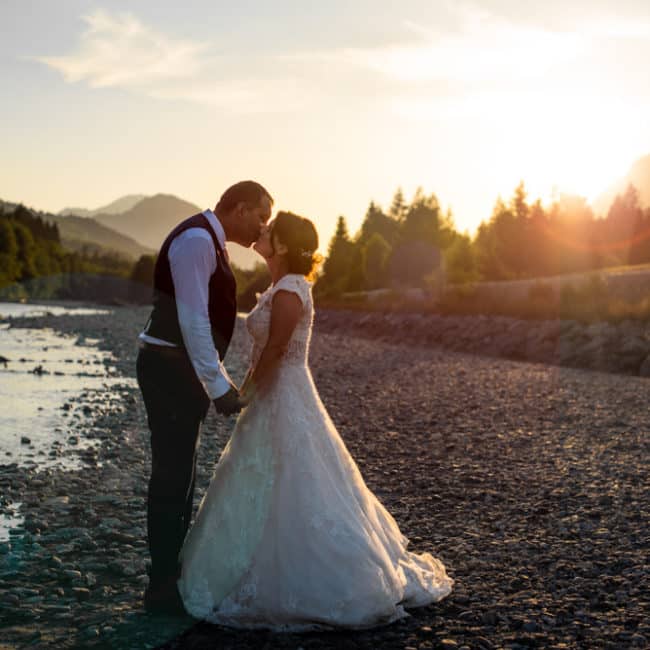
(329, 104)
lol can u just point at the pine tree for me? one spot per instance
(375, 254)
(337, 264)
(398, 207)
(376, 222)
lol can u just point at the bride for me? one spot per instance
(288, 537)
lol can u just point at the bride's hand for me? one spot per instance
(247, 390)
(246, 394)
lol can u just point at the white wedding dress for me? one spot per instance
(288, 537)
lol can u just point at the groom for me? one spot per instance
(180, 366)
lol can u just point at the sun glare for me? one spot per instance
(564, 144)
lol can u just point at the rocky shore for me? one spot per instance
(609, 347)
(531, 482)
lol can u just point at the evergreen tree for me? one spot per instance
(9, 268)
(460, 261)
(143, 269)
(26, 252)
(398, 207)
(375, 253)
(337, 264)
(424, 222)
(624, 224)
(425, 232)
(640, 242)
(356, 275)
(518, 204)
(376, 222)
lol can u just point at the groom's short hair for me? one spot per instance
(249, 192)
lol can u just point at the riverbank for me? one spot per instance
(609, 347)
(73, 571)
(529, 481)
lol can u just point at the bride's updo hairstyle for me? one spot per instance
(299, 235)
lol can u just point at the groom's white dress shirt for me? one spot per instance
(193, 260)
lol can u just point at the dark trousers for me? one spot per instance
(176, 404)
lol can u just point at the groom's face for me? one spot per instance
(253, 219)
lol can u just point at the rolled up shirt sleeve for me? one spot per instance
(192, 261)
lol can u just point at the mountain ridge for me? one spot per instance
(118, 206)
(87, 234)
(84, 234)
(151, 219)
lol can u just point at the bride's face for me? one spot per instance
(263, 244)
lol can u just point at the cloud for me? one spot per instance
(247, 96)
(470, 45)
(468, 50)
(474, 65)
(478, 48)
(618, 28)
(121, 51)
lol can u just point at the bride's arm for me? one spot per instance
(286, 310)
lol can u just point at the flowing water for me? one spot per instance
(42, 376)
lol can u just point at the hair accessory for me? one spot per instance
(307, 253)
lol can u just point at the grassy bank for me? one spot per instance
(591, 299)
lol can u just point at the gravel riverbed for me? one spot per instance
(531, 483)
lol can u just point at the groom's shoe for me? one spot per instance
(164, 599)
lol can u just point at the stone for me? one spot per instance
(72, 575)
(644, 369)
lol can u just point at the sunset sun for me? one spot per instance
(559, 143)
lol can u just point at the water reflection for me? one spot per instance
(40, 386)
(10, 520)
(18, 310)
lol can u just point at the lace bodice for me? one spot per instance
(259, 320)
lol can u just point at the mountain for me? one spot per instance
(86, 234)
(116, 207)
(132, 225)
(152, 218)
(639, 176)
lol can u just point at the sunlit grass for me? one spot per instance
(586, 302)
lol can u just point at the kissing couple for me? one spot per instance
(288, 537)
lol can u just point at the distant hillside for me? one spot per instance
(152, 218)
(87, 235)
(639, 176)
(139, 230)
(36, 265)
(7, 206)
(116, 207)
(84, 234)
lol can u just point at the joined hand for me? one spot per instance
(228, 404)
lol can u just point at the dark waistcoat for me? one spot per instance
(222, 304)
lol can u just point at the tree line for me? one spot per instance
(417, 244)
(402, 246)
(34, 262)
(409, 245)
